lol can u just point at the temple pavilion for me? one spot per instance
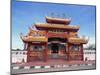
(55, 39)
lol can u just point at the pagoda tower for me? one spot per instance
(55, 39)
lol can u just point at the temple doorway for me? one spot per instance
(55, 48)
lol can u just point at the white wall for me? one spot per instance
(18, 58)
(89, 54)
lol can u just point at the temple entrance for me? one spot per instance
(55, 48)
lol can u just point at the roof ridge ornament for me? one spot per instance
(58, 15)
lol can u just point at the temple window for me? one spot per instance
(39, 48)
(35, 47)
(62, 47)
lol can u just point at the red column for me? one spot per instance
(66, 50)
(46, 48)
(45, 52)
(82, 54)
(68, 53)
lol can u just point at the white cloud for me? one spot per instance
(91, 41)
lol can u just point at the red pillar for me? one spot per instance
(45, 52)
(66, 50)
(68, 53)
(82, 54)
(46, 48)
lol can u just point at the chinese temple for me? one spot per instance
(55, 39)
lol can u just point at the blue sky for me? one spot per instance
(25, 14)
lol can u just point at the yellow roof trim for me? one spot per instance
(77, 40)
(35, 39)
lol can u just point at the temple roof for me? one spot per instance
(58, 20)
(42, 26)
(77, 40)
(45, 39)
(37, 32)
(34, 39)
